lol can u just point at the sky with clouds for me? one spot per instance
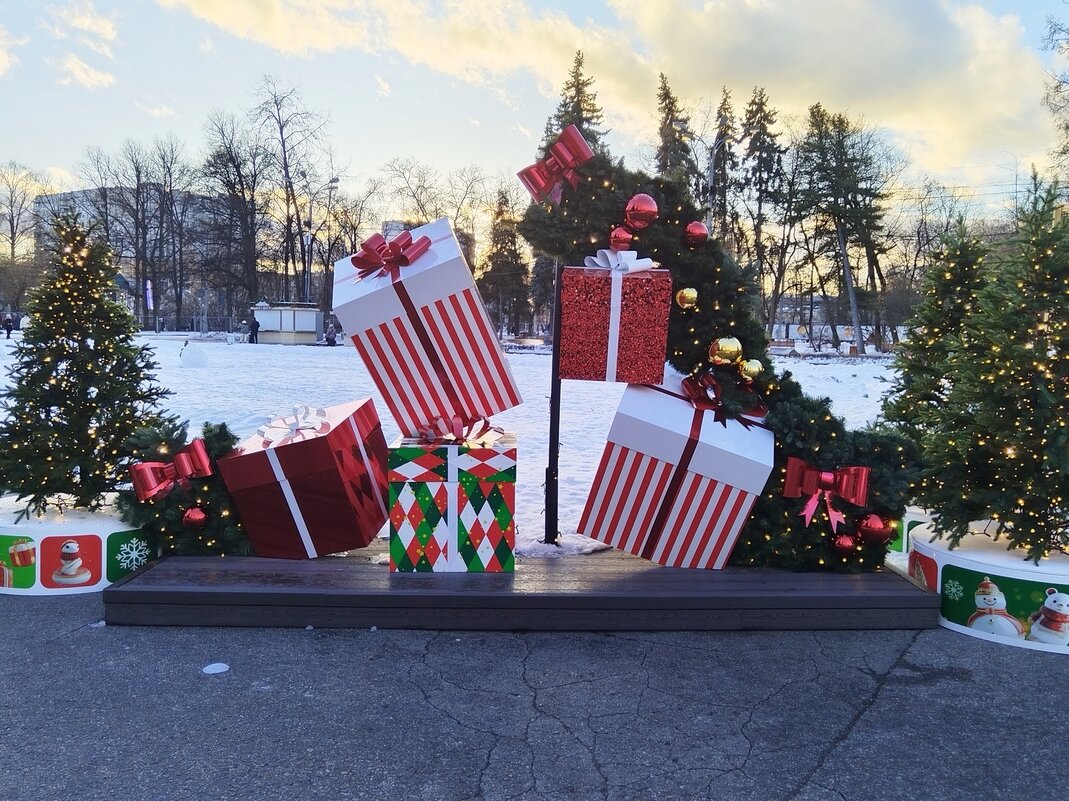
(957, 84)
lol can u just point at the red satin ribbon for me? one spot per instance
(379, 257)
(151, 479)
(704, 392)
(849, 483)
(545, 179)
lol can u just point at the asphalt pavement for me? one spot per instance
(89, 711)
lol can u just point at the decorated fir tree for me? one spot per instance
(504, 280)
(80, 385)
(948, 297)
(996, 443)
(191, 516)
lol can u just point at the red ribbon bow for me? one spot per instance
(704, 393)
(457, 430)
(849, 483)
(379, 257)
(158, 478)
(545, 179)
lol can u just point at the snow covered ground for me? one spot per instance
(245, 386)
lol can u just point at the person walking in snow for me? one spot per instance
(243, 329)
(8, 325)
(254, 331)
(332, 335)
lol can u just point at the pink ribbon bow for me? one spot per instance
(379, 257)
(545, 179)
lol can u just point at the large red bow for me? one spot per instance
(545, 179)
(379, 257)
(158, 478)
(849, 483)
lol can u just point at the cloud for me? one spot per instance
(157, 110)
(207, 46)
(384, 87)
(947, 79)
(7, 58)
(74, 70)
(80, 20)
(474, 122)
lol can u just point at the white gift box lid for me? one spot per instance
(657, 424)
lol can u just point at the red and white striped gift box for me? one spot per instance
(675, 485)
(425, 337)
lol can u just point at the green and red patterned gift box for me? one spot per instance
(452, 505)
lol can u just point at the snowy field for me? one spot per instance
(245, 386)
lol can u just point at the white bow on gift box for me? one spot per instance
(620, 263)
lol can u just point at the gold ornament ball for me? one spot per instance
(687, 298)
(725, 350)
(751, 368)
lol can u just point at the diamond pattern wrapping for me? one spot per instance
(452, 507)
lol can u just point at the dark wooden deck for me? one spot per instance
(607, 591)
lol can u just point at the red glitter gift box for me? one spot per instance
(614, 319)
(313, 483)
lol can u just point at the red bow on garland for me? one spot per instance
(545, 179)
(849, 483)
(704, 392)
(158, 478)
(379, 257)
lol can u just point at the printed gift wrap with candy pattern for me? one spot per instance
(452, 506)
(677, 479)
(313, 483)
(416, 319)
(614, 319)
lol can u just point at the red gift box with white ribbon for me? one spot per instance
(614, 319)
(677, 479)
(22, 553)
(411, 308)
(311, 483)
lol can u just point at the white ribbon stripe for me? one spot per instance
(619, 263)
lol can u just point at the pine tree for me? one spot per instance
(723, 163)
(578, 106)
(504, 281)
(675, 158)
(948, 296)
(543, 277)
(80, 386)
(776, 534)
(165, 519)
(997, 448)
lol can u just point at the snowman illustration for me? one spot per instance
(1050, 623)
(70, 570)
(991, 616)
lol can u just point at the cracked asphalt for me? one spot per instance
(93, 712)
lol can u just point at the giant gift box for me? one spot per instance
(614, 319)
(677, 479)
(411, 308)
(313, 483)
(452, 506)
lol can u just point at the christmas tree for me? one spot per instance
(195, 516)
(994, 434)
(716, 302)
(504, 280)
(80, 385)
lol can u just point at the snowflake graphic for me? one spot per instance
(953, 590)
(132, 554)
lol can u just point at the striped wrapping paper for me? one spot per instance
(426, 339)
(645, 503)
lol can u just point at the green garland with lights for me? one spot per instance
(195, 516)
(80, 385)
(776, 535)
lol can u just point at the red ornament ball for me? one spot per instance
(641, 210)
(874, 530)
(194, 518)
(843, 544)
(696, 233)
(620, 239)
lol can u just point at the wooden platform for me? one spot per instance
(607, 591)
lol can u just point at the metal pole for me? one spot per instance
(552, 473)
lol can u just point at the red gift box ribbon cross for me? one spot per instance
(158, 478)
(849, 483)
(378, 256)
